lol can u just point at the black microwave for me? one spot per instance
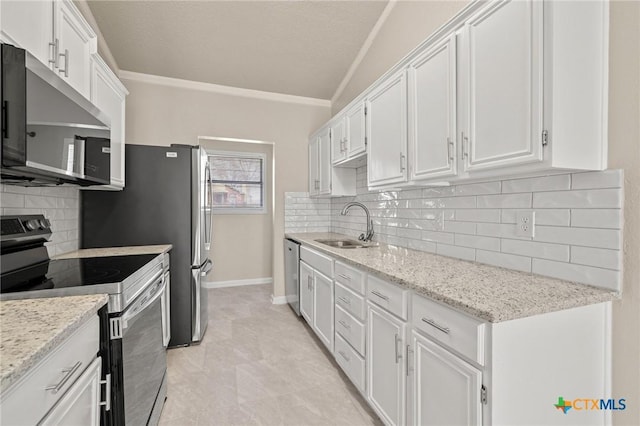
(51, 134)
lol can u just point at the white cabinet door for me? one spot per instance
(108, 94)
(323, 308)
(77, 42)
(80, 405)
(385, 365)
(356, 141)
(502, 62)
(338, 140)
(432, 112)
(457, 403)
(314, 161)
(29, 25)
(306, 292)
(387, 131)
(324, 166)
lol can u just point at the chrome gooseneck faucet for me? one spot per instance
(362, 237)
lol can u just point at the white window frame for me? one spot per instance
(244, 210)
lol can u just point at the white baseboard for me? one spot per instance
(278, 300)
(237, 283)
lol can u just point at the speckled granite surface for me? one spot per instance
(487, 292)
(116, 251)
(31, 328)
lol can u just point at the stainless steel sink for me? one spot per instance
(346, 244)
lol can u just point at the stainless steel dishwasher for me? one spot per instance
(292, 274)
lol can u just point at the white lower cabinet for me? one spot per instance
(386, 372)
(446, 390)
(81, 404)
(316, 302)
(323, 308)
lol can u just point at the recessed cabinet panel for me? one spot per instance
(324, 148)
(503, 67)
(306, 292)
(432, 112)
(355, 129)
(457, 402)
(338, 140)
(323, 309)
(314, 153)
(387, 130)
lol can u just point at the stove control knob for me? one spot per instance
(33, 224)
(44, 224)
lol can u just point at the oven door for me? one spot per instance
(143, 354)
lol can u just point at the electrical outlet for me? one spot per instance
(525, 223)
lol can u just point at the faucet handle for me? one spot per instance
(361, 237)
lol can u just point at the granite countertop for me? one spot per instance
(491, 293)
(32, 328)
(116, 251)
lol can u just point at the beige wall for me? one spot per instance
(624, 153)
(411, 22)
(243, 243)
(161, 115)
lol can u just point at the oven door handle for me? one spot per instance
(151, 298)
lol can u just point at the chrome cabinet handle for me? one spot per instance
(107, 386)
(465, 146)
(398, 353)
(450, 148)
(380, 295)
(70, 371)
(344, 324)
(346, 277)
(344, 300)
(434, 324)
(402, 162)
(346, 358)
(55, 46)
(66, 63)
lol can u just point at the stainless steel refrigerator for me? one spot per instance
(166, 200)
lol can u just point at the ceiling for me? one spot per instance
(302, 48)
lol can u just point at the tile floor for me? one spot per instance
(258, 364)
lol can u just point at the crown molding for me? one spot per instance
(225, 90)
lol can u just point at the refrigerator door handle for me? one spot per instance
(208, 207)
(206, 268)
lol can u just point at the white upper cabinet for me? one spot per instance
(314, 162)
(338, 138)
(502, 79)
(29, 25)
(387, 131)
(74, 41)
(356, 141)
(108, 94)
(324, 166)
(432, 112)
(325, 180)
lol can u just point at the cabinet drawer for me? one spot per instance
(350, 329)
(317, 261)
(350, 277)
(389, 296)
(352, 363)
(350, 302)
(60, 368)
(456, 330)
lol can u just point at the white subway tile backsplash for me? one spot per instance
(583, 199)
(503, 260)
(545, 183)
(536, 249)
(594, 180)
(577, 216)
(578, 273)
(479, 242)
(456, 251)
(12, 200)
(601, 258)
(588, 237)
(596, 218)
(508, 201)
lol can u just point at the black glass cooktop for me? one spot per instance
(63, 273)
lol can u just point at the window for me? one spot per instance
(237, 180)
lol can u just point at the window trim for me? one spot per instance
(243, 210)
